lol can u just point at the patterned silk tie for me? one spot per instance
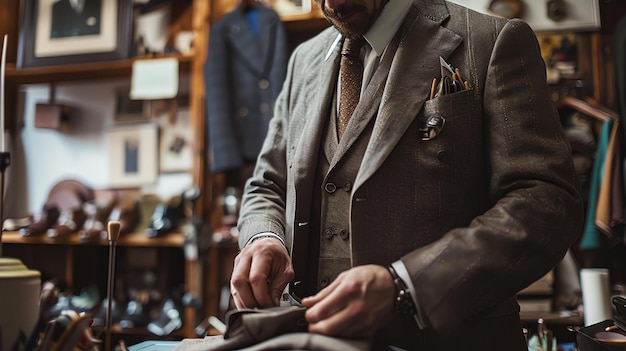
(351, 76)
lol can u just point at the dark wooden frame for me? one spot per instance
(28, 27)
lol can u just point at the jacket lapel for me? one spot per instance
(414, 66)
(246, 43)
(267, 38)
(310, 143)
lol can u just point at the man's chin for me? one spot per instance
(348, 30)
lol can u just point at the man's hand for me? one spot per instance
(260, 274)
(357, 304)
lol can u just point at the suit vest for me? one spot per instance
(331, 239)
(333, 197)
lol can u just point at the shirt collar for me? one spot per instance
(387, 24)
(383, 30)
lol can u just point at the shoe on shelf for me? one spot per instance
(168, 320)
(126, 211)
(147, 206)
(99, 317)
(168, 216)
(86, 300)
(136, 315)
(64, 303)
(70, 221)
(15, 224)
(65, 196)
(42, 221)
(98, 211)
(70, 193)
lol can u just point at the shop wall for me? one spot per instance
(42, 157)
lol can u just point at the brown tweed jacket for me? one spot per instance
(477, 213)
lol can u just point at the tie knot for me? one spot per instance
(352, 47)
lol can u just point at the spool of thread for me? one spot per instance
(595, 288)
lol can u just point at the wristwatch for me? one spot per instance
(403, 303)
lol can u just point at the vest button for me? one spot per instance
(330, 188)
(324, 282)
(442, 155)
(347, 187)
(344, 234)
(328, 234)
(264, 84)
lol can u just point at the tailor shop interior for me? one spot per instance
(152, 133)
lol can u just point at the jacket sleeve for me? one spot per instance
(264, 200)
(537, 211)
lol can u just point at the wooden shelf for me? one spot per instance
(86, 71)
(175, 239)
(552, 318)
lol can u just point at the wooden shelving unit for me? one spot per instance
(84, 71)
(130, 240)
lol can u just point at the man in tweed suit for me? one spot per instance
(466, 216)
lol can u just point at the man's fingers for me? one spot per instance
(259, 281)
(333, 325)
(240, 285)
(261, 272)
(310, 301)
(324, 305)
(278, 284)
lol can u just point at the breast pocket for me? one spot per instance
(450, 126)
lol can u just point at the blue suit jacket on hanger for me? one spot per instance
(244, 73)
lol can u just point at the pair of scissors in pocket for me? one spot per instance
(451, 81)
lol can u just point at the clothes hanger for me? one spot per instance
(587, 108)
(599, 106)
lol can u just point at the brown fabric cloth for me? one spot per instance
(291, 341)
(278, 328)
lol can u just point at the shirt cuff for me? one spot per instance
(400, 268)
(265, 235)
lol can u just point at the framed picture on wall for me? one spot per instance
(56, 32)
(291, 7)
(128, 110)
(176, 141)
(133, 155)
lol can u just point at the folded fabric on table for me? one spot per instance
(277, 328)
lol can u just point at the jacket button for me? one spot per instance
(264, 84)
(328, 234)
(243, 112)
(264, 107)
(442, 155)
(324, 282)
(330, 188)
(344, 234)
(347, 187)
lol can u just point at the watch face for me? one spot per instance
(507, 8)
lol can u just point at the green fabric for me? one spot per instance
(592, 237)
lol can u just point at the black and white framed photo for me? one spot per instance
(128, 110)
(133, 155)
(56, 32)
